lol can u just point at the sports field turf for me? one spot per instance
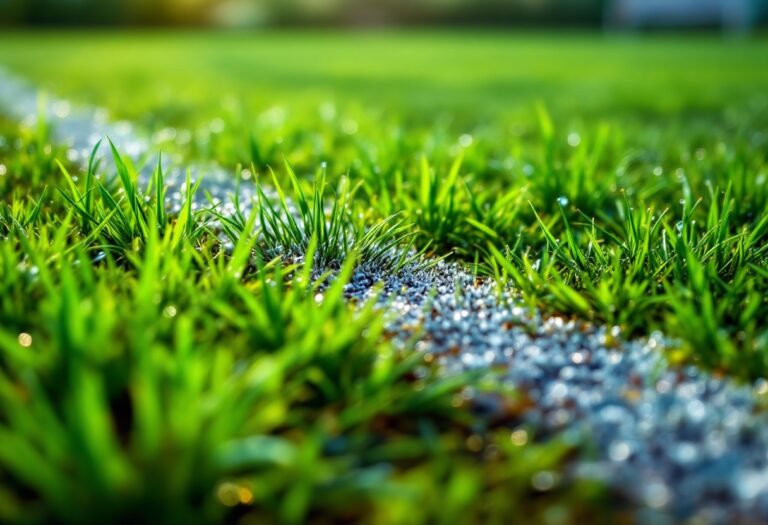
(161, 363)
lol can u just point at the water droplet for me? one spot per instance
(684, 453)
(574, 139)
(349, 127)
(578, 357)
(562, 201)
(656, 495)
(169, 311)
(228, 494)
(73, 155)
(619, 451)
(544, 480)
(25, 339)
(559, 390)
(519, 437)
(751, 484)
(696, 410)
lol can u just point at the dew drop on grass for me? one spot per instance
(574, 139)
(228, 494)
(684, 453)
(465, 140)
(543, 480)
(169, 311)
(696, 410)
(619, 451)
(578, 358)
(25, 339)
(562, 201)
(656, 495)
(349, 127)
(519, 437)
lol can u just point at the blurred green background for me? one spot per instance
(740, 14)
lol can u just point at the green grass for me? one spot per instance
(619, 180)
(176, 382)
